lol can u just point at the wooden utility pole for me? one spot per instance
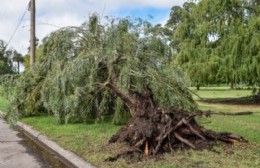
(32, 33)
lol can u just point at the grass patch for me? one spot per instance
(220, 92)
(247, 126)
(91, 143)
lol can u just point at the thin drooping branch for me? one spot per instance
(127, 100)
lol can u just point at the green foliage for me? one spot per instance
(18, 58)
(6, 65)
(76, 60)
(7, 83)
(218, 41)
(24, 95)
(7, 59)
(4, 103)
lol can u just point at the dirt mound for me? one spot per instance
(154, 130)
(249, 100)
(166, 132)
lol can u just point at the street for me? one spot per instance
(14, 152)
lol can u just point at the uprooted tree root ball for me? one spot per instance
(154, 130)
(166, 132)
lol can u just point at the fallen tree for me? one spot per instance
(153, 129)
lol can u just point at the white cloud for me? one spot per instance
(143, 3)
(61, 13)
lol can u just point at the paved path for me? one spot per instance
(14, 152)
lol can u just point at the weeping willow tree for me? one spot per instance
(220, 36)
(75, 61)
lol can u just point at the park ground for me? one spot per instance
(90, 141)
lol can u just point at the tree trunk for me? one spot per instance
(198, 87)
(257, 99)
(18, 67)
(232, 85)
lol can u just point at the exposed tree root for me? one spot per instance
(155, 130)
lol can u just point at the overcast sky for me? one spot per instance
(53, 13)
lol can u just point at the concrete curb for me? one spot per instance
(70, 159)
(66, 156)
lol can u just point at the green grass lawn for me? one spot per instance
(90, 141)
(247, 125)
(220, 92)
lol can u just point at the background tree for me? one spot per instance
(218, 41)
(6, 65)
(18, 58)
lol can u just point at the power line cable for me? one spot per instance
(9, 41)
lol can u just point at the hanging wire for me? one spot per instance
(9, 41)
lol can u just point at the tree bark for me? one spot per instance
(198, 87)
(232, 85)
(127, 100)
(18, 67)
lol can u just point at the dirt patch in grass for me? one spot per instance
(249, 100)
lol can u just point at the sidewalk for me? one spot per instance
(14, 152)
